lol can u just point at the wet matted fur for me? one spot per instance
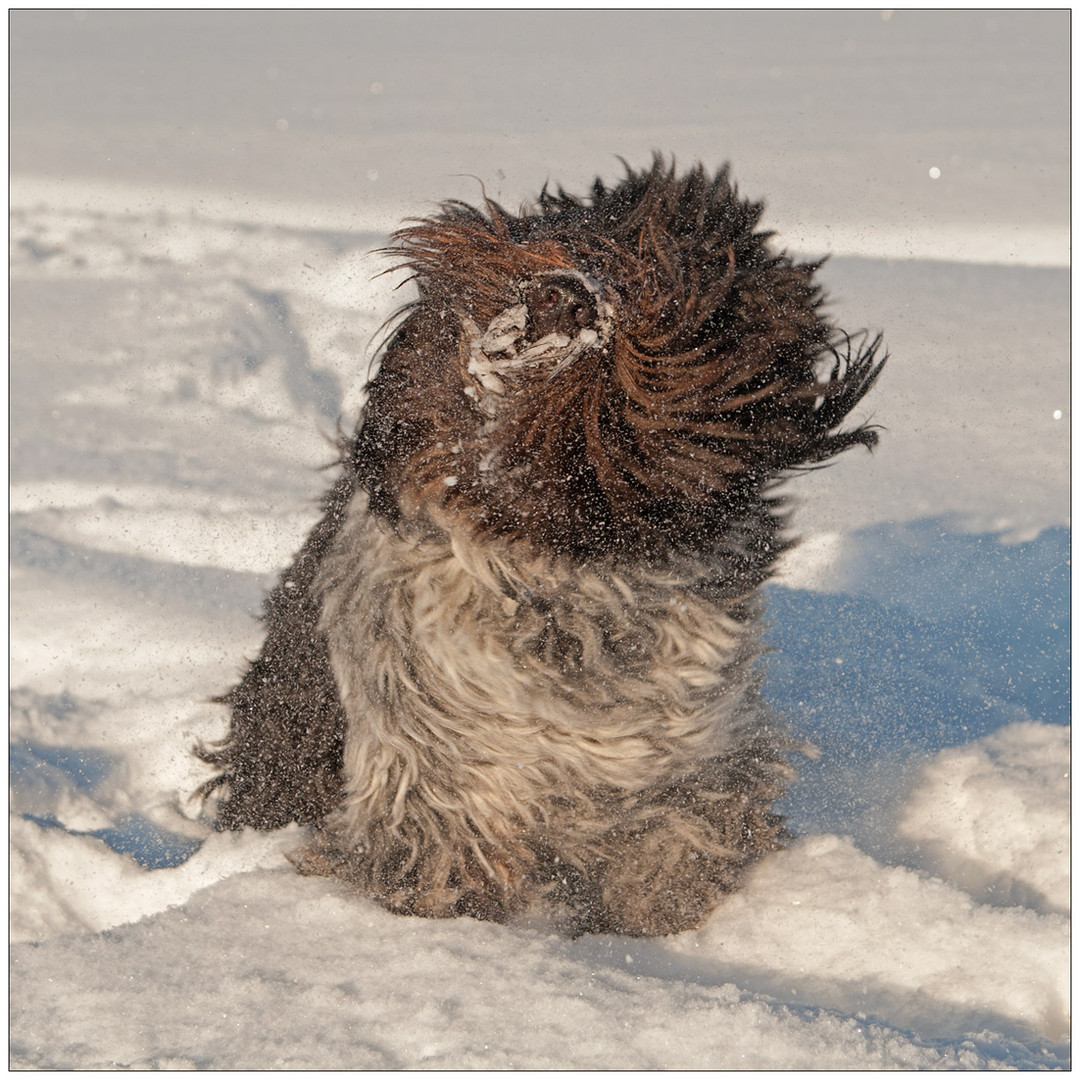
(514, 667)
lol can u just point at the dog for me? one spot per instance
(515, 666)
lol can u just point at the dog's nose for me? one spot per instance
(559, 304)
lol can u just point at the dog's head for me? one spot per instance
(609, 374)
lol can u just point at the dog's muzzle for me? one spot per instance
(559, 316)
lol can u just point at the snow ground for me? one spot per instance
(179, 358)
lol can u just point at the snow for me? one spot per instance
(192, 307)
(987, 815)
(267, 970)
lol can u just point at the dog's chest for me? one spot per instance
(448, 650)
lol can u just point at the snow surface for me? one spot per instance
(192, 308)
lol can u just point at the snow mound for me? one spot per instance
(823, 922)
(989, 816)
(826, 959)
(267, 970)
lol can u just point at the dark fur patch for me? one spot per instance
(282, 759)
(712, 387)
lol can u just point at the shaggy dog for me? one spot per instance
(514, 666)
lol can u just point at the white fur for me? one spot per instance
(450, 708)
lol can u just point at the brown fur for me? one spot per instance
(514, 666)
